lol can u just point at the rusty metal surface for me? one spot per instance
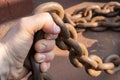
(101, 43)
(12, 9)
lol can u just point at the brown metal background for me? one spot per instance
(101, 43)
(12, 9)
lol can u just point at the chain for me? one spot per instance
(95, 18)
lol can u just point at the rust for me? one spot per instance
(61, 44)
(67, 19)
(109, 4)
(99, 28)
(75, 17)
(91, 71)
(106, 66)
(74, 61)
(13, 9)
(72, 31)
(116, 60)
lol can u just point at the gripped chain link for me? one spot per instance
(95, 18)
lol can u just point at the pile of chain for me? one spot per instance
(97, 18)
(94, 17)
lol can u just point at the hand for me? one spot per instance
(15, 45)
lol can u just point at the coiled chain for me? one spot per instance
(95, 18)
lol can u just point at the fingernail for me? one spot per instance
(56, 28)
(42, 47)
(40, 57)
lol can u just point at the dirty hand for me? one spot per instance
(15, 45)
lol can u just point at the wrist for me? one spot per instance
(4, 62)
(9, 67)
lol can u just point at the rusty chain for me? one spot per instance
(95, 18)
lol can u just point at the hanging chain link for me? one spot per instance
(95, 18)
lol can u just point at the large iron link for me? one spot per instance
(115, 59)
(94, 71)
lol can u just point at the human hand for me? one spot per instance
(15, 45)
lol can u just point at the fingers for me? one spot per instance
(44, 57)
(51, 36)
(44, 48)
(45, 53)
(40, 21)
(44, 45)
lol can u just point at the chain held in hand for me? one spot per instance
(96, 18)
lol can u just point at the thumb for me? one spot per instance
(40, 21)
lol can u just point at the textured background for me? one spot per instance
(12, 9)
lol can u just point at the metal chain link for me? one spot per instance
(96, 18)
